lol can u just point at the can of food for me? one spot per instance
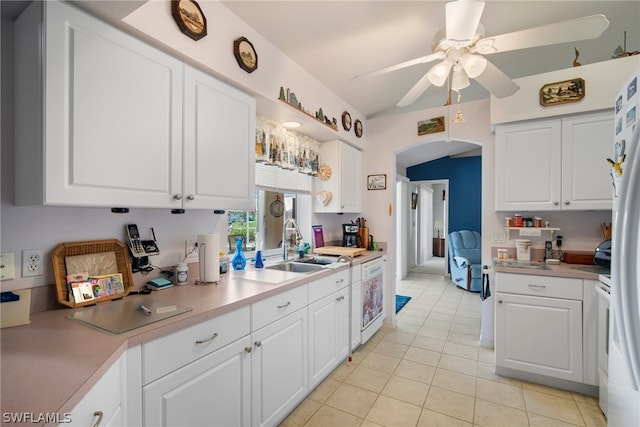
(518, 221)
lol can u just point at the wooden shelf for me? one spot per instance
(332, 125)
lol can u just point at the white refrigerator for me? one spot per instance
(624, 321)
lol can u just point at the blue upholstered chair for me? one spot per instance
(465, 254)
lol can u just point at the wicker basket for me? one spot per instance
(64, 250)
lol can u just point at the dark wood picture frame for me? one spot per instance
(245, 54)
(190, 18)
(558, 93)
(377, 182)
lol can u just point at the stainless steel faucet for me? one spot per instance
(296, 237)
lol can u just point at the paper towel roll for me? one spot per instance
(209, 257)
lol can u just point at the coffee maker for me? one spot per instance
(350, 235)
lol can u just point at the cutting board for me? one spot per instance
(339, 250)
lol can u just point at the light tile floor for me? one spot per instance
(431, 371)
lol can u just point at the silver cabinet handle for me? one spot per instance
(98, 414)
(258, 343)
(211, 338)
(247, 349)
(178, 196)
(339, 281)
(340, 298)
(286, 305)
(567, 203)
(499, 301)
(531, 285)
(191, 197)
(556, 203)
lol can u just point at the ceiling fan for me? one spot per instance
(462, 44)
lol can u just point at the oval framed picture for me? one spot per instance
(346, 121)
(358, 128)
(245, 54)
(190, 18)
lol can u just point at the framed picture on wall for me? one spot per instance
(414, 200)
(377, 182)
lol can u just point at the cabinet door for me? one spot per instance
(586, 144)
(328, 335)
(539, 335)
(528, 165)
(219, 129)
(279, 368)
(103, 401)
(113, 115)
(212, 391)
(350, 179)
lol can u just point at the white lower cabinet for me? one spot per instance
(543, 326)
(212, 391)
(539, 335)
(104, 405)
(328, 334)
(279, 364)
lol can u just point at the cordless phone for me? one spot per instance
(140, 248)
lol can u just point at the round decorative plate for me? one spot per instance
(346, 121)
(245, 54)
(324, 172)
(358, 128)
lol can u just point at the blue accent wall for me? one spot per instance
(465, 188)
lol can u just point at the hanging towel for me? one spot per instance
(485, 291)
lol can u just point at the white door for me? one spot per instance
(528, 165)
(279, 368)
(586, 144)
(219, 134)
(212, 391)
(539, 335)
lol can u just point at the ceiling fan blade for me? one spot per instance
(497, 82)
(588, 27)
(421, 60)
(415, 92)
(463, 17)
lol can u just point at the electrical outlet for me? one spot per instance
(32, 262)
(191, 251)
(7, 268)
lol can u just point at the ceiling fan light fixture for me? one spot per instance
(438, 74)
(473, 65)
(459, 80)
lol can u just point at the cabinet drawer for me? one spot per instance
(166, 354)
(544, 286)
(278, 306)
(322, 287)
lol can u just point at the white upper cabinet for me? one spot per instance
(345, 182)
(554, 164)
(219, 129)
(100, 121)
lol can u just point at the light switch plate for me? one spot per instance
(7, 266)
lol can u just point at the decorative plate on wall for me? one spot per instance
(245, 54)
(346, 121)
(358, 128)
(324, 172)
(190, 18)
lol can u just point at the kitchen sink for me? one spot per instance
(316, 260)
(295, 267)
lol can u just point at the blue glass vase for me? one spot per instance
(239, 260)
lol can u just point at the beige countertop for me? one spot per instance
(561, 270)
(50, 364)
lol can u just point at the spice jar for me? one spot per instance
(538, 221)
(508, 222)
(518, 220)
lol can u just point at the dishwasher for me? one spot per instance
(373, 289)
